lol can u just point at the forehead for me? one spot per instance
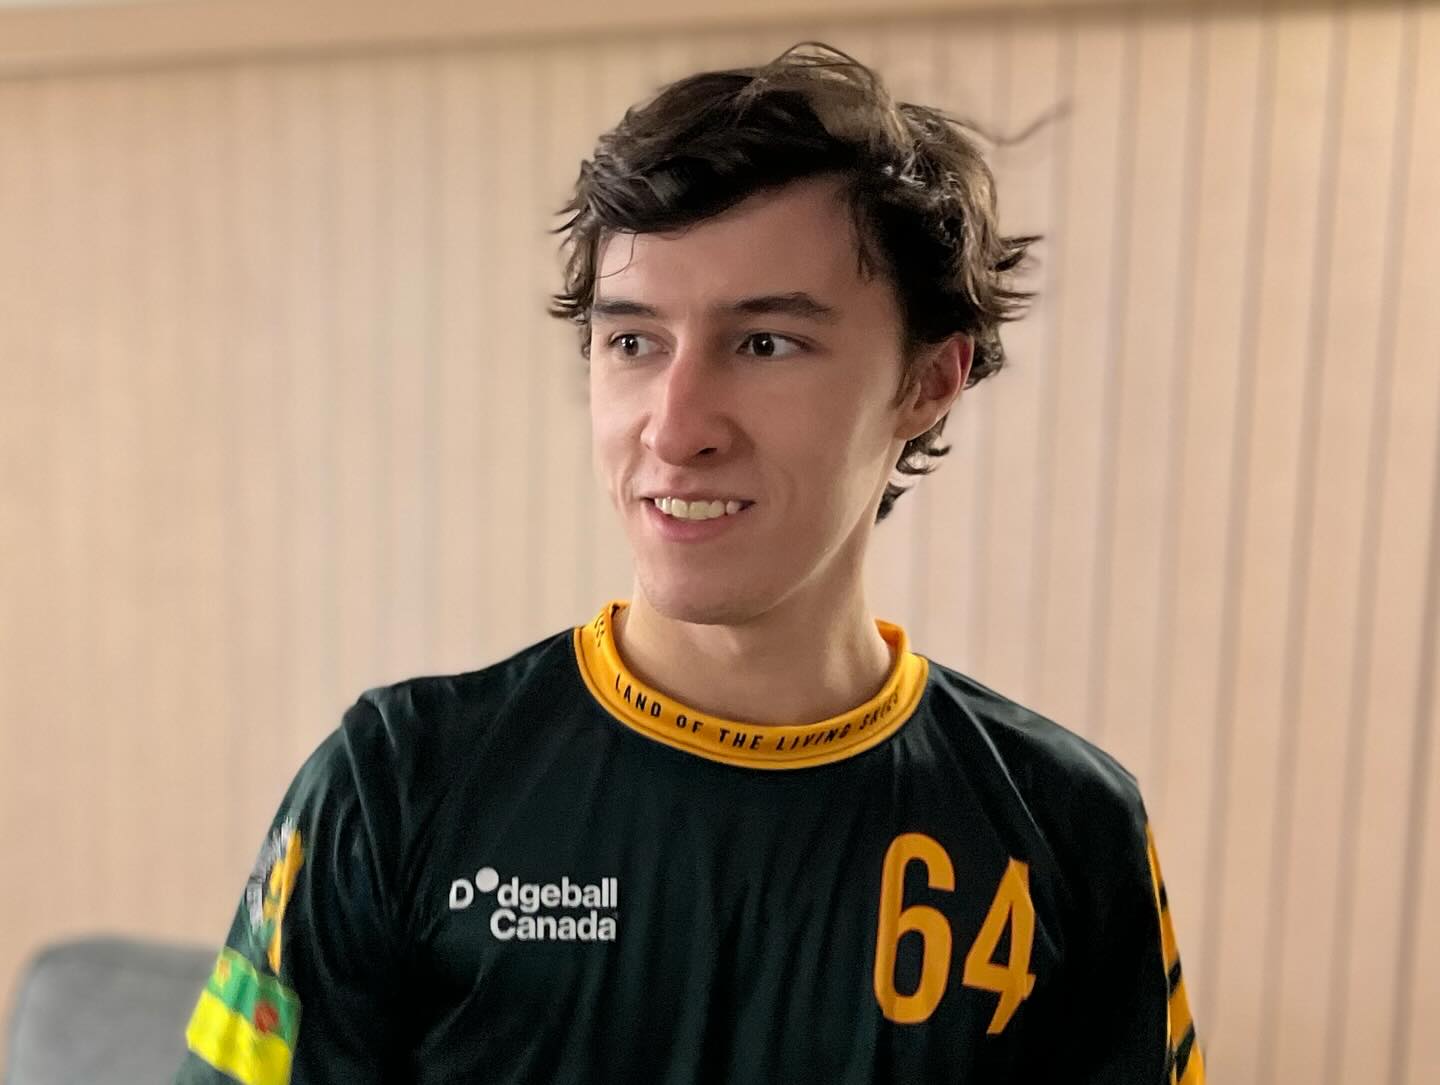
(798, 238)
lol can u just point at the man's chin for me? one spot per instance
(694, 601)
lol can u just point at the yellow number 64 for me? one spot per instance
(1012, 980)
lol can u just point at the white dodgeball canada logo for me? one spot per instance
(518, 905)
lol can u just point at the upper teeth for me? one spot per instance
(696, 510)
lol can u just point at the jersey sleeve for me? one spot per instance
(1185, 1062)
(1130, 1018)
(299, 994)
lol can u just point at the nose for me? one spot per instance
(687, 419)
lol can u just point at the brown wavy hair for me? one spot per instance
(922, 197)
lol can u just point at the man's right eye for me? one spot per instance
(632, 344)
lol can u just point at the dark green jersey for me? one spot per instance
(547, 871)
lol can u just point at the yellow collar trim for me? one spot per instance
(762, 746)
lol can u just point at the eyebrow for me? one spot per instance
(797, 304)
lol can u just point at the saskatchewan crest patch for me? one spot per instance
(271, 885)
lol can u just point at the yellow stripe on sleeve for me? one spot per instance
(1168, 946)
(1194, 1069)
(1180, 1021)
(1181, 1024)
(234, 1046)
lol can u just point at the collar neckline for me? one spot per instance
(763, 746)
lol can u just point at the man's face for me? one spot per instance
(746, 367)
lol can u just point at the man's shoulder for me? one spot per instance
(438, 700)
(416, 733)
(1046, 761)
(1085, 804)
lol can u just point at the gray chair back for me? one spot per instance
(107, 1010)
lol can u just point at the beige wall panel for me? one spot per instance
(303, 267)
(1133, 635)
(1086, 270)
(906, 55)
(134, 355)
(1327, 581)
(1264, 514)
(125, 502)
(1392, 602)
(1135, 529)
(565, 507)
(252, 429)
(1418, 975)
(199, 735)
(510, 339)
(179, 737)
(726, 49)
(404, 115)
(1042, 324)
(1234, 134)
(58, 37)
(65, 215)
(461, 359)
(37, 482)
(360, 523)
(1415, 407)
(595, 521)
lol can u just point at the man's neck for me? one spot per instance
(796, 664)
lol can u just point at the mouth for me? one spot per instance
(697, 509)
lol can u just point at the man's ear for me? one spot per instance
(944, 369)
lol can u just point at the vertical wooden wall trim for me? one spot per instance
(378, 408)
(340, 121)
(1143, 437)
(25, 428)
(553, 377)
(303, 268)
(1051, 285)
(471, 311)
(1182, 359)
(1417, 359)
(589, 575)
(1212, 365)
(1420, 940)
(535, 280)
(61, 144)
(1025, 93)
(1381, 729)
(1321, 308)
(205, 642)
(1305, 63)
(120, 359)
(1111, 377)
(409, 391)
(28, 471)
(1206, 954)
(1083, 261)
(1396, 1051)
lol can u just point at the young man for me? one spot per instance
(734, 830)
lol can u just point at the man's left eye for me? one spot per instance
(769, 345)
